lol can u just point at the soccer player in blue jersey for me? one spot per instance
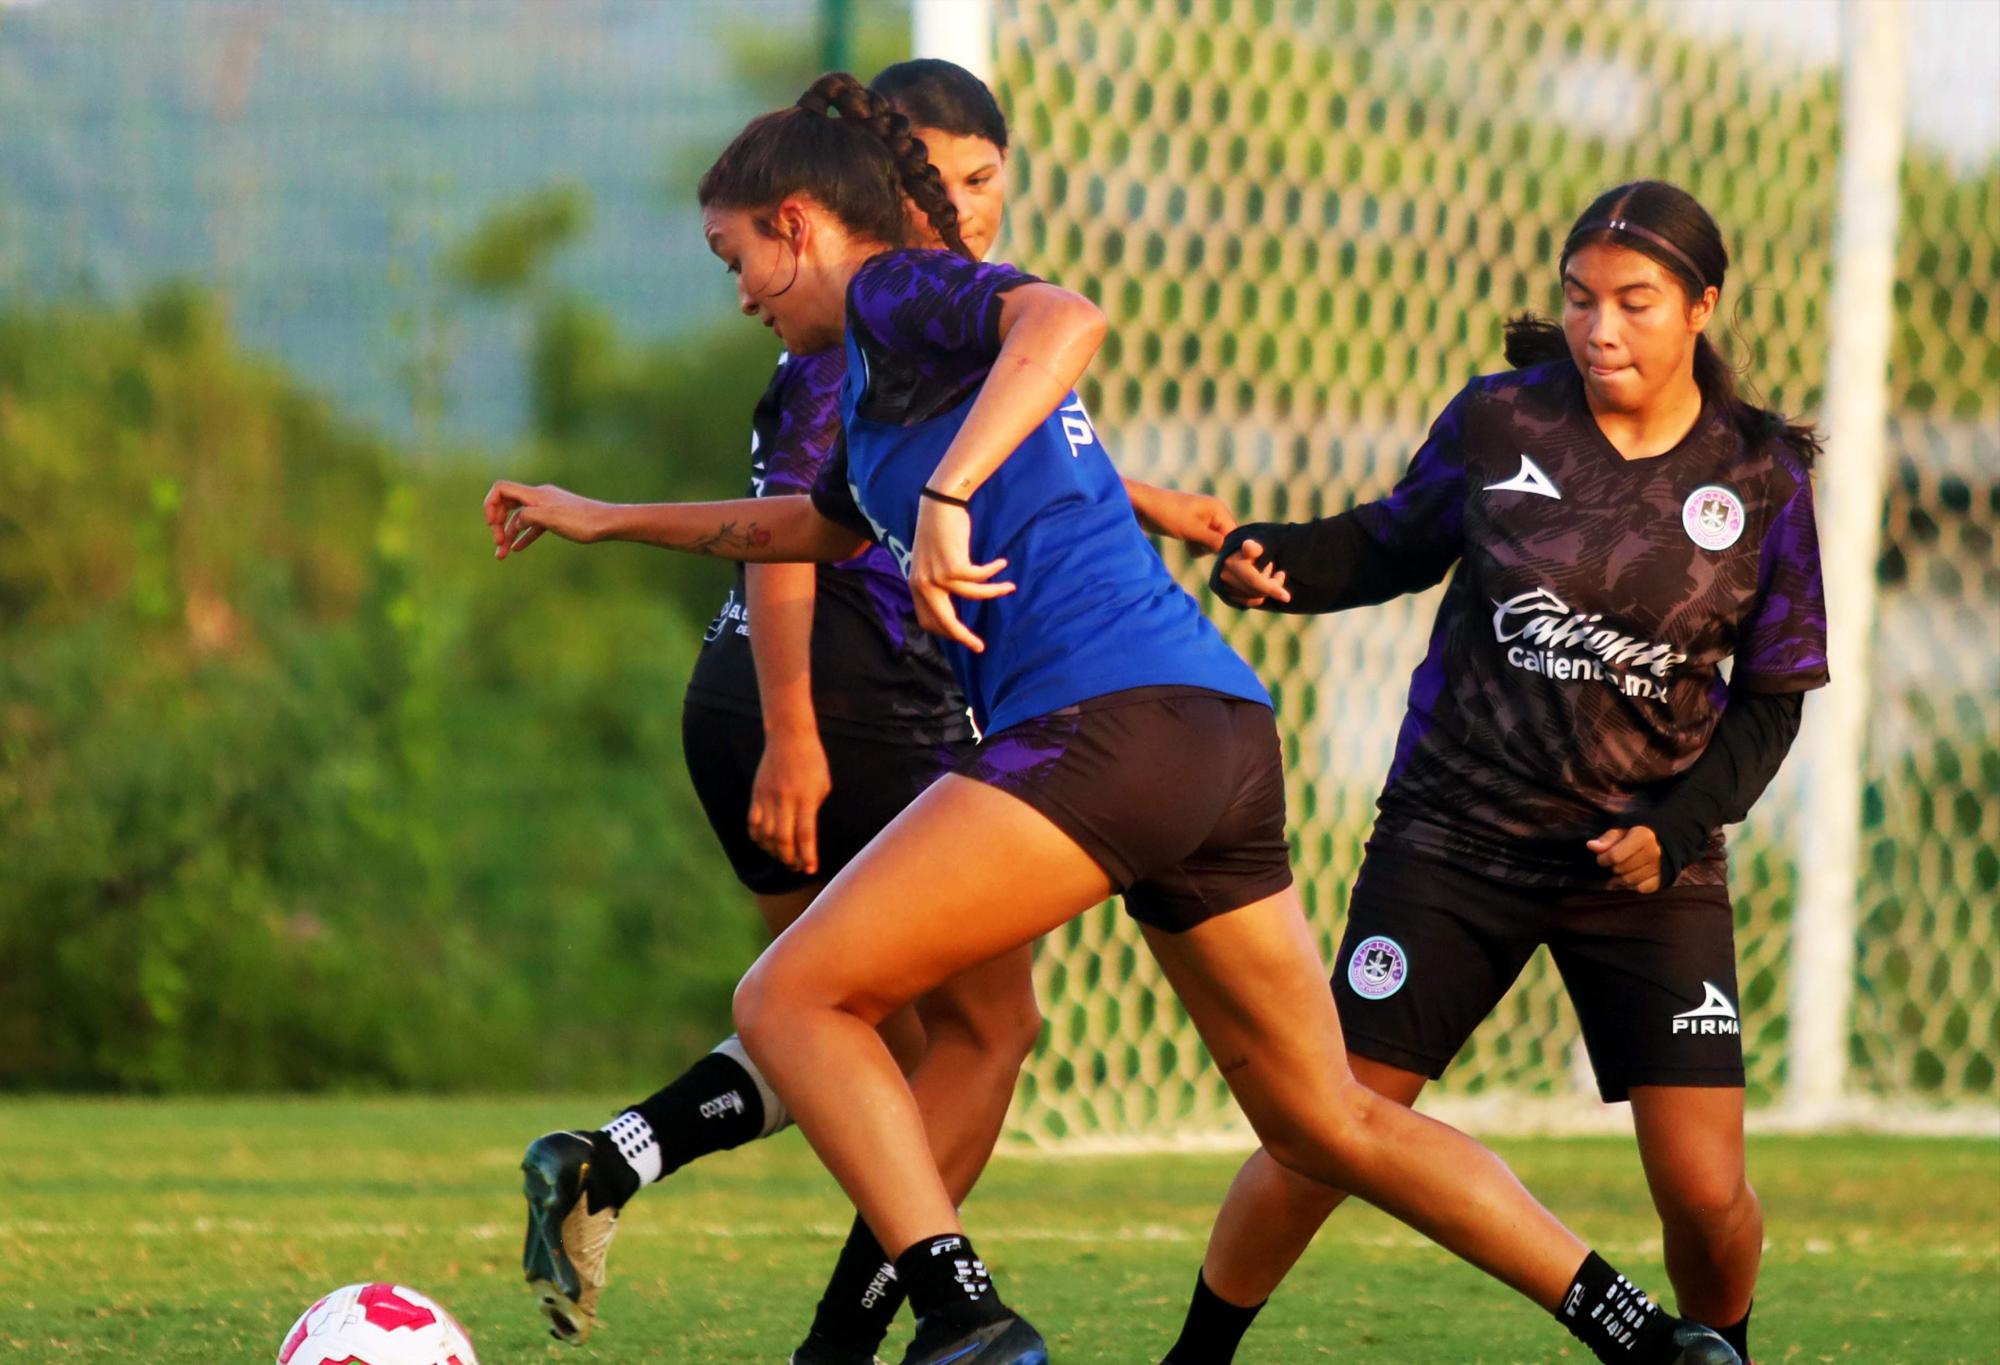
(1622, 523)
(1126, 749)
(837, 690)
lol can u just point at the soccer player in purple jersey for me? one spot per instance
(1112, 707)
(837, 690)
(1622, 523)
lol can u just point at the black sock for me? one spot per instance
(1213, 1330)
(863, 1297)
(945, 1279)
(1737, 1334)
(712, 1106)
(1614, 1318)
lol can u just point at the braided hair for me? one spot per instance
(859, 166)
(1667, 224)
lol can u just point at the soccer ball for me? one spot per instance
(376, 1324)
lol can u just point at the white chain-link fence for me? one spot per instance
(1307, 220)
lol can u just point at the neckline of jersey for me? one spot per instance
(1688, 438)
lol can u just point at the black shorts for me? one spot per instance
(1178, 793)
(872, 781)
(1430, 948)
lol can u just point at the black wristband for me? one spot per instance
(947, 499)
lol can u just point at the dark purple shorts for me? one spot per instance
(1431, 947)
(1178, 793)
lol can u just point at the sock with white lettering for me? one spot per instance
(1614, 1318)
(948, 1283)
(714, 1105)
(862, 1298)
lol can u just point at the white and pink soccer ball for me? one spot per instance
(376, 1324)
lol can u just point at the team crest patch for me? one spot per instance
(1378, 968)
(1713, 517)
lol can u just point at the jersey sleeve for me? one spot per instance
(1420, 526)
(1782, 647)
(833, 498)
(1402, 543)
(808, 426)
(933, 304)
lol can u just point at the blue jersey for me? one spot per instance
(1094, 610)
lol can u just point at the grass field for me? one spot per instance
(165, 1232)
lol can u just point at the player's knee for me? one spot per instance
(1008, 1030)
(1706, 1201)
(1330, 1144)
(1002, 1027)
(752, 1007)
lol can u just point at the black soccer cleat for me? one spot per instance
(567, 1242)
(1010, 1341)
(1701, 1346)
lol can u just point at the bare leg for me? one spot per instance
(1272, 1214)
(1252, 981)
(901, 1030)
(1254, 985)
(994, 876)
(1691, 1141)
(979, 1028)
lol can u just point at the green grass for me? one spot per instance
(197, 1232)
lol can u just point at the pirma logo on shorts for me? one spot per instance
(1712, 1016)
(1378, 968)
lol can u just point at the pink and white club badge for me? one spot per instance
(1713, 517)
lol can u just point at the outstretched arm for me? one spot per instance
(757, 530)
(1197, 519)
(1402, 543)
(1314, 566)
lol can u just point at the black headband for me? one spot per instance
(814, 103)
(1644, 234)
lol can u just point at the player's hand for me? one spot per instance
(1633, 855)
(791, 785)
(941, 568)
(518, 513)
(1246, 585)
(1199, 520)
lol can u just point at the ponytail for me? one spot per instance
(920, 180)
(859, 167)
(1533, 341)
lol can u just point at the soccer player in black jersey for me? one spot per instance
(837, 690)
(1622, 523)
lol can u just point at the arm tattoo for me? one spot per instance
(727, 537)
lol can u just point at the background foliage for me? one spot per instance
(298, 788)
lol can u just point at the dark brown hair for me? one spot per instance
(1669, 225)
(939, 94)
(859, 166)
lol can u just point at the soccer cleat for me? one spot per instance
(567, 1243)
(1700, 1346)
(1010, 1341)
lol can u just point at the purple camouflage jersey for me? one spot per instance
(876, 674)
(1575, 667)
